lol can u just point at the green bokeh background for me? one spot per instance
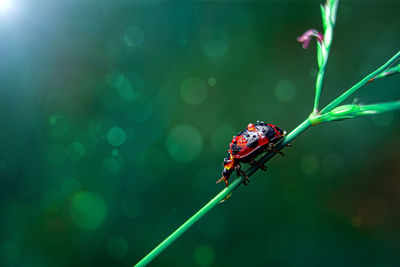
(115, 117)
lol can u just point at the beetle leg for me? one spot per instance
(223, 179)
(239, 172)
(271, 147)
(257, 163)
(246, 180)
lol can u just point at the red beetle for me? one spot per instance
(247, 145)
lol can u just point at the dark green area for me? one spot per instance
(115, 117)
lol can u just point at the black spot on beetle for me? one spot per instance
(253, 143)
(279, 130)
(270, 132)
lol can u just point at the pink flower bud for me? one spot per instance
(308, 35)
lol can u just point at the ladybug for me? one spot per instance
(247, 145)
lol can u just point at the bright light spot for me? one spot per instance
(193, 90)
(184, 143)
(6, 8)
(212, 81)
(116, 136)
(5, 5)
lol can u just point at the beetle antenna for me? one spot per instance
(220, 180)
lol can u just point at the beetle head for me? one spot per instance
(229, 162)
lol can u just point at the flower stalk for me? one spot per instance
(324, 41)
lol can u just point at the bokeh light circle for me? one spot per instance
(88, 210)
(309, 164)
(53, 120)
(116, 136)
(204, 255)
(356, 221)
(115, 152)
(216, 48)
(212, 81)
(75, 151)
(285, 91)
(114, 79)
(129, 90)
(134, 36)
(103, 126)
(193, 90)
(58, 126)
(182, 41)
(184, 143)
(384, 119)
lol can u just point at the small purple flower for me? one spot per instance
(308, 35)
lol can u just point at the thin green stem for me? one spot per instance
(318, 86)
(178, 232)
(379, 108)
(328, 13)
(353, 111)
(358, 85)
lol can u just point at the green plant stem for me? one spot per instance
(318, 86)
(379, 108)
(353, 111)
(178, 232)
(358, 85)
(222, 195)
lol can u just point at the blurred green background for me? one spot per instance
(115, 117)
